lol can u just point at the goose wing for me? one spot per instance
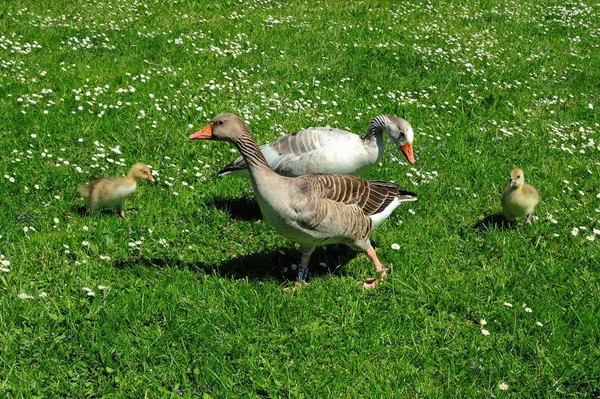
(371, 196)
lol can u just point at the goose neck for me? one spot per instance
(376, 126)
(252, 154)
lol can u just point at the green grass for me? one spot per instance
(196, 307)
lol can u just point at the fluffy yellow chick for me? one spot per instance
(111, 192)
(519, 199)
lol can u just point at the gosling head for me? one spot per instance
(224, 127)
(517, 178)
(141, 171)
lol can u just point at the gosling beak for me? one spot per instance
(407, 149)
(150, 179)
(512, 183)
(203, 134)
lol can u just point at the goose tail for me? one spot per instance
(406, 196)
(235, 168)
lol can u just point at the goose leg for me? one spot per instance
(382, 272)
(307, 251)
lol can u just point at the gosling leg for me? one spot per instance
(529, 218)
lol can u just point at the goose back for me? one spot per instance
(313, 150)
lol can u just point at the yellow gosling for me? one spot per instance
(519, 199)
(111, 192)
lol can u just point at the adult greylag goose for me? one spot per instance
(329, 150)
(312, 209)
(111, 192)
(519, 199)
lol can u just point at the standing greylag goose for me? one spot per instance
(313, 209)
(111, 192)
(328, 150)
(519, 199)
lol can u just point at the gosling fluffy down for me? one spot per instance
(519, 199)
(111, 192)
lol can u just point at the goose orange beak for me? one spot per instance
(407, 149)
(203, 134)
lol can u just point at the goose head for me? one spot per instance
(517, 178)
(402, 133)
(141, 171)
(224, 127)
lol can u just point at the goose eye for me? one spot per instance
(219, 122)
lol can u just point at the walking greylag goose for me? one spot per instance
(519, 199)
(111, 192)
(312, 209)
(329, 150)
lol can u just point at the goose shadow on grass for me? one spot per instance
(493, 221)
(260, 266)
(246, 209)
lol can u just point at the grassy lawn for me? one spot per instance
(184, 297)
